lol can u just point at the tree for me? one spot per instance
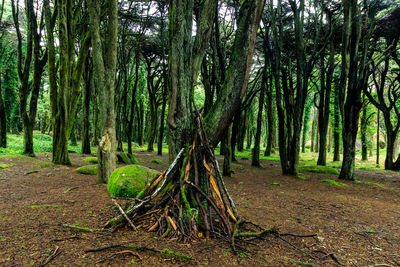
(26, 89)
(355, 75)
(104, 62)
(386, 97)
(71, 64)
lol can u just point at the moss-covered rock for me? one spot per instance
(157, 161)
(128, 181)
(3, 166)
(88, 169)
(127, 158)
(319, 169)
(91, 159)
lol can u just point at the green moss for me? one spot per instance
(333, 182)
(158, 161)
(43, 206)
(275, 184)
(3, 166)
(319, 169)
(126, 158)
(130, 180)
(91, 159)
(88, 169)
(176, 254)
(301, 176)
(44, 165)
(372, 183)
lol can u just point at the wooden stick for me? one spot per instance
(123, 213)
(54, 254)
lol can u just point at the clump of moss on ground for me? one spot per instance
(126, 158)
(319, 169)
(157, 161)
(91, 159)
(3, 166)
(333, 182)
(88, 169)
(130, 180)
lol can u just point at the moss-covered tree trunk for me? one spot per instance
(363, 132)
(336, 128)
(3, 122)
(87, 91)
(354, 52)
(64, 96)
(104, 63)
(325, 97)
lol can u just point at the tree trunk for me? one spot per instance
(3, 122)
(256, 149)
(86, 111)
(364, 147)
(161, 128)
(95, 138)
(377, 138)
(270, 118)
(227, 156)
(336, 129)
(104, 63)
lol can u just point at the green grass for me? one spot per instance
(41, 143)
(319, 169)
(333, 182)
(275, 184)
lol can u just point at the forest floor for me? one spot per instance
(357, 224)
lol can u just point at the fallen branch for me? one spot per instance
(66, 238)
(54, 253)
(119, 253)
(80, 228)
(140, 248)
(123, 213)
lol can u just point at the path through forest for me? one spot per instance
(357, 224)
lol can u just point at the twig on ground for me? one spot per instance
(65, 238)
(54, 253)
(118, 253)
(123, 213)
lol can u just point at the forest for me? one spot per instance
(200, 132)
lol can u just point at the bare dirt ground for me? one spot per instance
(356, 225)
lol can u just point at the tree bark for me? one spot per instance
(104, 62)
(3, 122)
(86, 110)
